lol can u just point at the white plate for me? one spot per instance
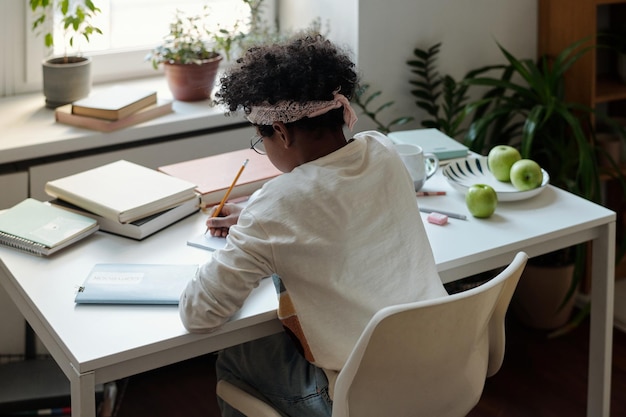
(465, 173)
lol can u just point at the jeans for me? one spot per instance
(275, 369)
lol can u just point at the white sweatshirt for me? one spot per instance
(344, 235)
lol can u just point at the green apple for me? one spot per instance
(500, 160)
(481, 200)
(526, 175)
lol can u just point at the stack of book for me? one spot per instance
(113, 108)
(125, 198)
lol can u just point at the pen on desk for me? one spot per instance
(225, 198)
(447, 213)
(429, 193)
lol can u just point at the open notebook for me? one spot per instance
(206, 241)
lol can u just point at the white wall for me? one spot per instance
(340, 16)
(384, 34)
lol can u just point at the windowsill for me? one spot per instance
(29, 130)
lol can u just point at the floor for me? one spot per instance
(540, 377)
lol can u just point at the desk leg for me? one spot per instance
(83, 391)
(601, 331)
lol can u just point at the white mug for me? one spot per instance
(421, 166)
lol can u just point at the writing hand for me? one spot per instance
(219, 226)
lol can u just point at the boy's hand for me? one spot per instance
(219, 226)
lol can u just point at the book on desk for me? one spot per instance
(431, 141)
(122, 191)
(35, 227)
(139, 229)
(213, 175)
(121, 283)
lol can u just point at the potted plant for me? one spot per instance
(443, 98)
(191, 53)
(525, 106)
(66, 78)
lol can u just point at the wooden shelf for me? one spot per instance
(592, 81)
(610, 89)
(607, 173)
(620, 270)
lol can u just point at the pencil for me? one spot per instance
(221, 205)
(447, 213)
(429, 193)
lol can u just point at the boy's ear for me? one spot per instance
(283, 134)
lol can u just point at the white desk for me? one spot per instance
(97, 344)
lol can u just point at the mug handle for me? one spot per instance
(434, 165)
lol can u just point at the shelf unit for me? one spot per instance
(593, 80)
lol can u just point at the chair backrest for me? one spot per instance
(429, 358)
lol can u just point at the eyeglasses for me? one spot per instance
(256, 144)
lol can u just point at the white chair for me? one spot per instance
(428, 358)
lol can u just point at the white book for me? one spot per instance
(431, 141)
(122, 191)
(139, 229)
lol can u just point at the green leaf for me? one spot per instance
(48, 40)
(414, 63)
(372, 97)
(64, 6)
(384, 106)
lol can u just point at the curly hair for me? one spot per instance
(303, 69)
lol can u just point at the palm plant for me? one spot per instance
(526, 106)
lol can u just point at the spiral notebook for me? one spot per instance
(41, 229)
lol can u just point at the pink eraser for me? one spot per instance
(437, 218)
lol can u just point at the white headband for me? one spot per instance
(290, 111)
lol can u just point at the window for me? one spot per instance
(124, 21)
(131, 28)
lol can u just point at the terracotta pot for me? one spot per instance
(539, 294)
(65, 82)
(192, 82)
